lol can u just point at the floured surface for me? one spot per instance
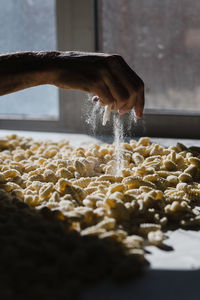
(184, 254)
(172, 272)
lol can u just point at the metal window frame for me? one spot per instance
(75, 19)
(169, 124)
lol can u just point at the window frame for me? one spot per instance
(157, 122)
(74, 19)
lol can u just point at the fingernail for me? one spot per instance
(139, 116)
(138, 113)
(120, 112)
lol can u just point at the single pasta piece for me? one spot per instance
(106, 115)
(156, 237)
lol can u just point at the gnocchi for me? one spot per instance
(155, 186)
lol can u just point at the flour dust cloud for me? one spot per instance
(97, 113)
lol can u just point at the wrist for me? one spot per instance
(52, 63)
(46, 66)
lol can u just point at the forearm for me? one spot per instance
(26, 69)
(107, 76)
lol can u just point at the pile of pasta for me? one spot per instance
(157, 187)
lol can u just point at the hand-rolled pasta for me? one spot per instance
(156, 185)
(106, 115)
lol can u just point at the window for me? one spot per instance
(29, 25)
(45, 25)
(161, 41)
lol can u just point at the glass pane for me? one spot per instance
(29, 25)
(161, 41)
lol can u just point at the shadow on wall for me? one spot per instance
(40, 257)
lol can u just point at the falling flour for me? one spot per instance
(118, 136)
(91, 120)
(132, 121)
(92, 114)
(118, 129)
(118, 140)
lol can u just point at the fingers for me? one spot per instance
(138, 92)
(107, 76)
(125, 109)
(139, 106)
(95, 99)
(136, 102)
(119, 85)
(116, 88)
(118, 91)
(103, 94)
(125, 85)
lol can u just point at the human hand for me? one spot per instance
(107, 76)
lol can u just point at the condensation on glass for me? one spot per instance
(29, 25)
(161, 42)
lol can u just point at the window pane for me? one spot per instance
(161, 41)
(29, 25)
